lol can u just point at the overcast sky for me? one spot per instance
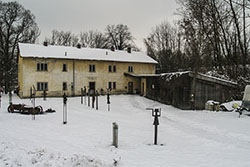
(83, 15)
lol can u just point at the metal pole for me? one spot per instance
(156, 129)
(96, 100)
(44, 95)
(81, 95)
(84, 91)
(93, 100)
(88, 99)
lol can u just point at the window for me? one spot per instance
(112, 85)
(42, 66)
(91, 68)
(130, 69)
(64, 86)
(64, 68)
(41, 86)
(112, 68)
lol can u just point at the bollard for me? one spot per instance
(84, 92)
(93, 100)
(115, 134)
(10, 97)
(88, 98)
(81, 95)
(96, 100)
(108, 100)
(44, 95)
(64, 109)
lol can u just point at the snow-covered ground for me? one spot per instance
(186, 138)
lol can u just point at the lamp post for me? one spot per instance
(155, 113)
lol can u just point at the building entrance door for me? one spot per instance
(91, 87)
(130, 88)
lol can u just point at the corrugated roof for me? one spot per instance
(64, 52)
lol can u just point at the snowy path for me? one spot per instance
(186, 138)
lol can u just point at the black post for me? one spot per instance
(108, 100)
(93, 99)
(84, 92)
(156, 113)
(64, 109)
(88, 98)
(96, 100)
(81, 95)
(44, 95)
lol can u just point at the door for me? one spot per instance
(130, 88)
(91, 87)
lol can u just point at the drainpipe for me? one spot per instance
(74, 79)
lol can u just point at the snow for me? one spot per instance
(64, 52)
(186, 138)
(232, 105)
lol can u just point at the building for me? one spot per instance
(186, 90)
(60, 69)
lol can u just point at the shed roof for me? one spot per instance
(64, 52)
(169, 76)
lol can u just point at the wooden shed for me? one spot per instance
(187, 90)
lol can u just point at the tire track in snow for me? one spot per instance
(201, 131)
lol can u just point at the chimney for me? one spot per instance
(129, 49)
(45, 43)
(112, 48)
(78, 46)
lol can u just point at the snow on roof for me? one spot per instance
(64, 52)
(169, 76)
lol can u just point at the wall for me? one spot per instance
(177, 92)
(55, 77)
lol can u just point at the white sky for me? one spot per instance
(83, 15)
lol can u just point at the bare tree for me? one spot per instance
(93, 39)
(119, 36)
(164, 45)
(16, 25)
(64, 38)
